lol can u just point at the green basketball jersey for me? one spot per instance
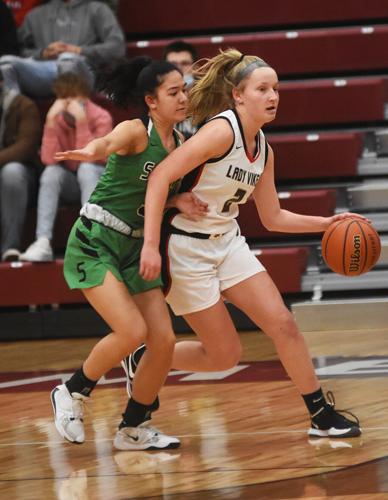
(122, 187)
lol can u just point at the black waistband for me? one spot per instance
(201, 236)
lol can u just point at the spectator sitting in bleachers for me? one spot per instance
(72, 121)
(62, 36)
(183, 55)
(20, 135)
(8, 34)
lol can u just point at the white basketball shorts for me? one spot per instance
(199, 270)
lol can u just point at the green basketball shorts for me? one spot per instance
(93, 249)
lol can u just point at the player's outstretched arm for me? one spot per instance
(126, 138)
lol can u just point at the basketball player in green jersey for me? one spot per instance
(103, 253)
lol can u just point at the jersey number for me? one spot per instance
(81, 271)
(238, 196)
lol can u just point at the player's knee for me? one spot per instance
(132, 336)
(284, 327)
(228, 357)
(163, 343)
(169, 343)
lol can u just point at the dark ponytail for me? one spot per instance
(129, 81)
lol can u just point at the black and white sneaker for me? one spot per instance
(143, 437)
(129, 365)
(329, 422)
(68, 413)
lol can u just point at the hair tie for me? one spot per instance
(241, 58)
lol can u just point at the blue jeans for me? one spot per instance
(35, 77)
(18, 186)
(57, 182)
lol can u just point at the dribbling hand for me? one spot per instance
(347, 215)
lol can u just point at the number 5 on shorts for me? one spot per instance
(81, 271)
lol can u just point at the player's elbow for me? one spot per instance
(269, 223)
(271, 220)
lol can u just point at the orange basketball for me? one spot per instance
(351, 247)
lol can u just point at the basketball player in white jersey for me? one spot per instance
(223, 164)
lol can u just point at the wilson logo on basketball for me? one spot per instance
(354, 264)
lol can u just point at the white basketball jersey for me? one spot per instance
(224, 183)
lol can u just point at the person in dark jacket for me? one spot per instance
(8, 33)
(20, 135)
(63, 36)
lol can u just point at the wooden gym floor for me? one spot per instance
(243, 434)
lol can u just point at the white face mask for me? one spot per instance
(189, 80)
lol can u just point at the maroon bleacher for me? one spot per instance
(36, 284)
(315, 155)
(310, 102)
(285, 266)
(309, 202)
(319, 202)
(331, 101)
(43, 283)
(294, 52)
(303, 103)
(149, 17)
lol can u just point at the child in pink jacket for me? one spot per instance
(72, 121)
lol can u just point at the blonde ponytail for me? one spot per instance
(214, 80)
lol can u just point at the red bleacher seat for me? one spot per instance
(149, 17)
(309, 102)
(324, 101)
(307, 156)
(36, 284)
(43, 283)
(285, 266)
(294, 52)
(320, 202)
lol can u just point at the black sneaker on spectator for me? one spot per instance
(129, 365)
(329, 422)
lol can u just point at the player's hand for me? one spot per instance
(190, 206)
(86, 154)
(347, 215)
(150, 263)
